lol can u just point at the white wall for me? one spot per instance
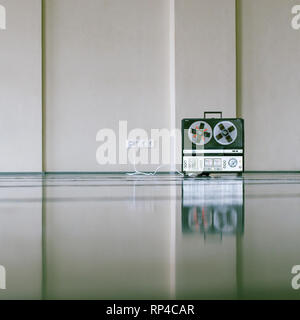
(269, 84)
(110, 60)
(106, 61)
(205, 58)
(20, 87)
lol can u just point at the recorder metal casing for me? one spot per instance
(211, 145)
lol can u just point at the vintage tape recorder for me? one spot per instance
(212, 145)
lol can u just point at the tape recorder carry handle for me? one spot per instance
(211, 112)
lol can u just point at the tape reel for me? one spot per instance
(198, 219)
(200, 133)
(225, 219)
(225, 133)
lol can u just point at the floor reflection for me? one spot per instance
(213, 208)
(120, 237)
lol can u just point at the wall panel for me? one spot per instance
(105, 61)
(269, 76)
(20, 87)
(205, 58)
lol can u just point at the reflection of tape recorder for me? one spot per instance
(210, 207)
(212, 145)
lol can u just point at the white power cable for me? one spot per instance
(136, 172)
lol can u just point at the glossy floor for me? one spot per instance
(121, 237)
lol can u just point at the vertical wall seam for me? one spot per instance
(172, 79)
(172, 92)
(43, 44)
(43, 218)
(238, 58)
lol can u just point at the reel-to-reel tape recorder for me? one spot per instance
(212, 145)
